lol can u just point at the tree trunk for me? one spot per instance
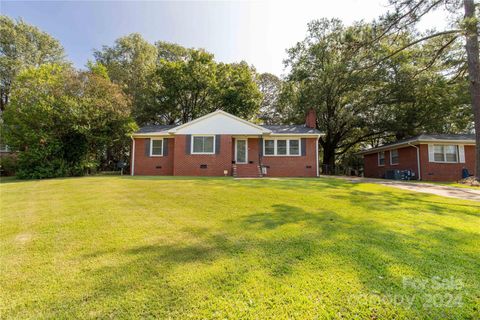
(474, 74)
(328, 163)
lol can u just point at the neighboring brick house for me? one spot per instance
(220, 144)
(430, 157)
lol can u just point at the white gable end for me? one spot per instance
(219, 122)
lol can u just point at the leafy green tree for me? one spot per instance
(270, 108)
(22, 46)
(191, 84)
(236, 90)
(327, 75)
(408, 13)
(63, 122)
(129, 63)
(359, 95)
(171, 51)
(419, 95)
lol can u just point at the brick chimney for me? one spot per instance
(311, 119)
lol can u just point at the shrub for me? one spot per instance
(8, 165)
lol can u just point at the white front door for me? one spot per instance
(241, 151)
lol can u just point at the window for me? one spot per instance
(445, 153)
(381, 158)
(281, 147)
(294, 147)
(203, 145)
(156, 147)
(394, 156)
(269, 147)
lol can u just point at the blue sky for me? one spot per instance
(258, 32)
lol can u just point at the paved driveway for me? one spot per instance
(446, 191)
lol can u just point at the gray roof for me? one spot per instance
(426, 137)
(291, 129)
(153, 129)
(281, 129)
(445, 137)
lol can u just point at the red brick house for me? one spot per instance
(221, 144)
(439, 157)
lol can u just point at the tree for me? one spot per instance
(418, 95)
(181, 89)
(63, 122)
(129, 63)
(327, 75)
(361, 91)
(471, 40)
(22, 46)
(236, 91)
(409, 12)
(188, 83)
(270, 109)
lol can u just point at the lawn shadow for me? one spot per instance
(408, 200)
(279, 242)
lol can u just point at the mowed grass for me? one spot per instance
(145, 247)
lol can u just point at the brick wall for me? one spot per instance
(179, 163)
(430, 171)
(407, 161)
(296, 166)
(151, 166)
(189, 164)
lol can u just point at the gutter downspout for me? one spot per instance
(133, 157)
(418, 159)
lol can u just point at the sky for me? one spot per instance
(258, 32)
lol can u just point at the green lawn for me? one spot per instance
(122, 247)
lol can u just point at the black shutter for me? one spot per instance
(188, 142)
(260, 147)
(147, 147)
(217, 143)
(165, 146)
(304, 146)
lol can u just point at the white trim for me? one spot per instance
(445, 154)
(202, 135)
(275, 148)
(151, 147)
(410, 143)
(296, 135)
(246, 151)
(133, 157)
(391, 158)
(461, 153)
(378, 159)
(164, 134)
(173, 130)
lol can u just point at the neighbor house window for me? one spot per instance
(269, 147)
(394, 156)
(281, 147)
(156, 147)
(294, 147)
(445, 153)
(203, 144)
(381, 158)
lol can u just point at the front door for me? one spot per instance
(241, 151)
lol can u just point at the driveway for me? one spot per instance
(445, 191)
